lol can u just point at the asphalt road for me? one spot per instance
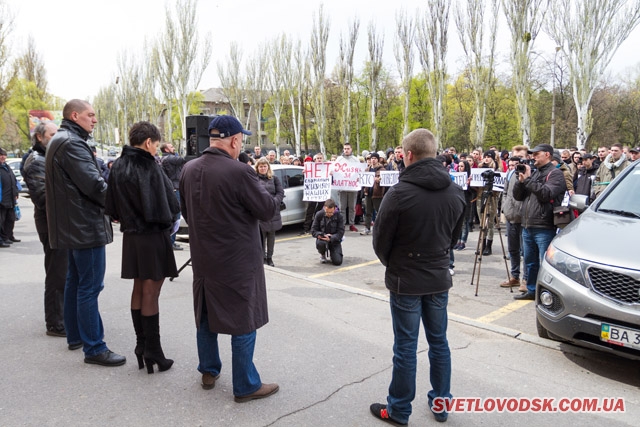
(328, 344)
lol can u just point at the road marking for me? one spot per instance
(306, 236)
(340, 270)
(503, 311)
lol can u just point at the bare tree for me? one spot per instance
(403, 51)
(30, 66)
(524, 17)
(471, 24)
(319, 37)
(6, 72)
(163, 60)
(376, 44)
(231, 80)
(192, 55)
(345, 76)
(432, 44)
(257, 68)
(295, 82)
(589, 33)
(277, 77)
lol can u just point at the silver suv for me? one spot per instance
(588, 290)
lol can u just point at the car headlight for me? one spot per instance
(566, 264)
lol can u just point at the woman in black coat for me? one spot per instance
(268, 228)
(141, 197)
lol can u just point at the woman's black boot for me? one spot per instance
(152, 348)
(136, 316)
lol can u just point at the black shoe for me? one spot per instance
(53, 332)
(526, 296)
(106, 358)
(270, 262)
(75, 346)
(4, 245)
(13, 239)
(380, 412)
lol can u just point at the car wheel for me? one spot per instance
(544, 333)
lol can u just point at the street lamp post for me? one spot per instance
(553, 99)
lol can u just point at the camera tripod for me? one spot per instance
(185, 265)
(488, 198)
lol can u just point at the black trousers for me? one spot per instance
(335, 250)
(55, 267)
(310, 214)
(7, 221)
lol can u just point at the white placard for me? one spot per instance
(389, 178)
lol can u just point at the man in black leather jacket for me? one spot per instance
(75, 197)
(539, 191)
(55, 260)
(328, 229)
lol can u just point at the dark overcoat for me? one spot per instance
(273, 187)
(222, 201)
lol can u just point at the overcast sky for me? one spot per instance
(80, 40)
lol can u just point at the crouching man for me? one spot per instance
(328, 229)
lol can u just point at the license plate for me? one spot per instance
(620, 336)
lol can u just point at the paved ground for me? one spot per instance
(328, 345)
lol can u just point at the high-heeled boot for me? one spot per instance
(152, 348)
(137, 326)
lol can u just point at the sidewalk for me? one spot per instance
(328, 347)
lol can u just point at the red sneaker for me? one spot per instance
(353, 228)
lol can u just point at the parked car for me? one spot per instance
(588, 289)
(14, 164)
(292, 179)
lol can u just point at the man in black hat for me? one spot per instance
(585, 175)
(634, 153)
(8, 201)
(222, 200)
(540, 191)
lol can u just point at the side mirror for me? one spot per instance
(579, 202)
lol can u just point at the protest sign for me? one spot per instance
(317, 181)
(477, 180)
(389, 178)
(459, 178)
(346, 174)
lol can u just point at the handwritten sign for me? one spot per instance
(367, 179)
(317, 181)
(389, 178)
(346, 175)
(459, 178)
(317, 189)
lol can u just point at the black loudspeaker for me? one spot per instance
(197, 135)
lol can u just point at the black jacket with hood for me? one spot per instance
(419, 220)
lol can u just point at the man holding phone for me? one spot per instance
(328, 229)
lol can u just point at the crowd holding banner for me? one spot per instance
(321, 178)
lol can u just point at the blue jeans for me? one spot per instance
(535, 242)
(245, 376)
(85, 281)
(406, 312)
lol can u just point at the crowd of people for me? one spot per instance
(233, 211)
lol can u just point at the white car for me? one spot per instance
(14, 164)
(292, 179)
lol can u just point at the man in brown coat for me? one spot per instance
(222, 201)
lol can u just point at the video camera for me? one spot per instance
(488, 176)
(521, 168)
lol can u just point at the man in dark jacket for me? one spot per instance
(539, 191)
(172, 165)
(55, 260)
(75, 196)
(373, 195)
(586, 175)
(328, 229)
(222, 200)
(419, 220)
(8, 200)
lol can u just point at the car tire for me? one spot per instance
(544, 333)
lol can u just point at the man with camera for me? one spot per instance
(512, 210)
(586, 175)
(539, 191)
(328, 229)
